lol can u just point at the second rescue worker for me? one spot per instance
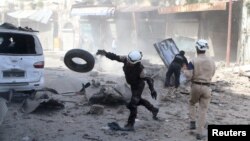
(201, 70)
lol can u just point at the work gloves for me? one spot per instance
(154, 94)
(101, 52)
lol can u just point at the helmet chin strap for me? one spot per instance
(131, 62)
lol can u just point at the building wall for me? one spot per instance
(244, 33)
(210, 25)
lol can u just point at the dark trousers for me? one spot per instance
(176, 69)
(135, 101)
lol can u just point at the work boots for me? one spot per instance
(128, 127)
(200, 137)
(192, 125)
(155, 112)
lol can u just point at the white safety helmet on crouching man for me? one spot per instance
(134, 57)
(201, 45)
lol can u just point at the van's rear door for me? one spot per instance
(21, 58)
(18, 69)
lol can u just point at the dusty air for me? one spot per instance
(124, 70)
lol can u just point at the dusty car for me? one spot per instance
(21, 59)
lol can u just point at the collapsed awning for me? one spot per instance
(41, 16)
(137, 8)
(92, 11)
(193, 7)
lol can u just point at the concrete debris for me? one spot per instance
(229, 105)
(96, 109)
(40, 99)
(110, 95)
(87, 137)
(121, 110)
(95, 83)
(25, 139)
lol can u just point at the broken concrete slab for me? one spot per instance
(107, 96)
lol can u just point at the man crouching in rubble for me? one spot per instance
(135, 77)
(200, 70)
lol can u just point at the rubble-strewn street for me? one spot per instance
(81, 121)
(124, 70)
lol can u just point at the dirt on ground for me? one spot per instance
(229, 105)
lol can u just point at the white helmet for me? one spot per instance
(134, 57)
(201, 45)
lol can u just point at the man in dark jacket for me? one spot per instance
(175, 67)
(135, 77)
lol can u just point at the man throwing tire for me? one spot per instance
(135, 77)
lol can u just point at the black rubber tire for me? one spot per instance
(79, 53)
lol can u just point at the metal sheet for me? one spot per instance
(167, 49)
(193, 7)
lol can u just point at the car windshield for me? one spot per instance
(11, 43)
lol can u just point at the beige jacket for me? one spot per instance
(204, 69)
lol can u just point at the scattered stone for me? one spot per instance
(96, 109)
(26, 138)
(95, 83)
(69, 121)
(235, 108)
(105, 128)
(121, 110)
(93, 74)
(166, 135)
(111, 82)
(59, 130)
(219, 118)
(65, 114)
(124, 134)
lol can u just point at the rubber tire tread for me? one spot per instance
(79, 53)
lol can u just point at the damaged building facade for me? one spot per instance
(143, 25)
(91, 26)
(210, 21)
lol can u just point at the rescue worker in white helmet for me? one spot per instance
(135, 77)
(200, 70)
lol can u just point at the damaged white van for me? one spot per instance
(21, 59)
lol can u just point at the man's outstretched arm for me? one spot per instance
(111, 56)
